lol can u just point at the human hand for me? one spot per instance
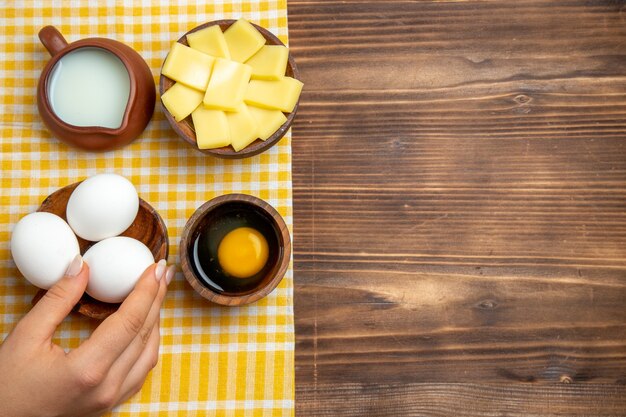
(38, 378)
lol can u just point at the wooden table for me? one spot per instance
(460, 208)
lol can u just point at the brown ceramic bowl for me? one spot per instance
(138, 110)
(279, 253)
(184, 128)
(148, 228)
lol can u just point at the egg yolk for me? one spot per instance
(243, 252)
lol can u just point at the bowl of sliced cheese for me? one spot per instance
(230, 88)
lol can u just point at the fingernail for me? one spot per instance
(160, 269)
(171, 271)
(75, 266)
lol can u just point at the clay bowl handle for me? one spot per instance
(52, 39)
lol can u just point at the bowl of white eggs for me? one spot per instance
(118, 234)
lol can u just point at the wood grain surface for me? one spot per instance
(460, 208)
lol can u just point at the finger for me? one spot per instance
(98, 353)
(43, 319)
(125, 362)
(142, 367)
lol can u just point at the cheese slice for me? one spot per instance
(280, 95)
(269, 63)
(242, 127)
(228, 84)
(243, 40)
(268, 121)
(210, 41)
(181, 100)
(188, 66)
(211, 128)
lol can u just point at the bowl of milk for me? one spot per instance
(96, 94)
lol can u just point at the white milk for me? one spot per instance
(89, 87)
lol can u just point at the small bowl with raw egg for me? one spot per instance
(230, 88)
(118, 234)
(235, 249)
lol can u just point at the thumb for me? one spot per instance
(43, 319)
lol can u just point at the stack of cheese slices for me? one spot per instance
(231, 83)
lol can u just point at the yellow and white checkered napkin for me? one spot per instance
(215, 361)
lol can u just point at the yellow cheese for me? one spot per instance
(242, 127)
(211, 128)
(227, 85)
(243, 40)
(209, 41)
(188, 66)
(280, 95)
(269, 63)
(181, 100)
(268, 121)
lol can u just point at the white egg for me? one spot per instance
(43, 246)
(115, 266)
(102, 206)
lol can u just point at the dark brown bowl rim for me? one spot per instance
(227, 152)
(227, 299)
